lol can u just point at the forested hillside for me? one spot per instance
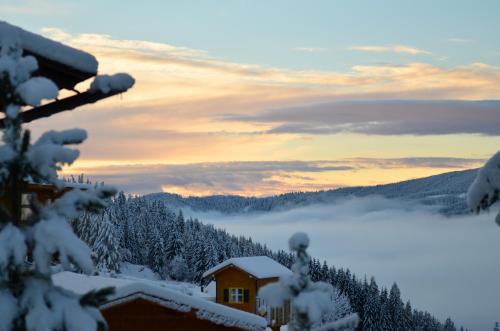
(445, 190)
(146, 232)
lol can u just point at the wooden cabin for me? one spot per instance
(140, 305)
(238, 281)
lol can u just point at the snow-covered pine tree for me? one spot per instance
(105, 247)
(28, 298)
(309, 301)
(371, 317)
(449, 325)
(342, 308)
(178, 269)
(175, 244)
(385, 320)
(324, 274)
(408, 317)
(485, 190)
(315, 270)
(205, 254)
(396, 308)
(156, 255)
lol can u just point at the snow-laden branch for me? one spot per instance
(49, 152)
(112, 83)
(485, 190)
(34, 90)
(73, 202)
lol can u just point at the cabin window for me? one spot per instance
(235, 295)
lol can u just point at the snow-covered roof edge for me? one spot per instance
(257, 266)
(49, 49)
(127, 290)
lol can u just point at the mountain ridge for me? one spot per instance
(446, 190)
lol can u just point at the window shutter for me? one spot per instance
(245, 295)
(226, 295)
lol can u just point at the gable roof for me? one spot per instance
(127, 290)
(257, 266)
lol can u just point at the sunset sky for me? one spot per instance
(261, 97)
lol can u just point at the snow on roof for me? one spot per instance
(84, 186)
(129, 289)
(258, 266)
(49, 49)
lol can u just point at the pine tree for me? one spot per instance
(175, 244)
(156, 255)
(324, 275)
(28, 297)
(105, 247)
(309, 301)
(396, 308)
(449, 325)
(385, 320)
(371, 317)
(178, 269)
(408, 317)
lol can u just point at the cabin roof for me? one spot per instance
(127, 290)
(50, 49)
(258, 266)
(64, 65)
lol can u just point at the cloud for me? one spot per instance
(177, 113)
(433, 259)
(309, 49)
(194, 73)
(257, 178)
(254, 177)
(35, 7)
(390, 49)
(417, 162)
(395, 117)
(459, 40)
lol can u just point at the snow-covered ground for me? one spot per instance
(143, 274)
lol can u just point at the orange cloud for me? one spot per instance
(391, 48)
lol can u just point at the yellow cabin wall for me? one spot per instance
(233, 277)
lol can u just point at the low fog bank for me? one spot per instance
(448, 266)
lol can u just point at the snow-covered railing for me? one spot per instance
(103, 87)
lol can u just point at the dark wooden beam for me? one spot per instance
(65, 104)
(62, 75)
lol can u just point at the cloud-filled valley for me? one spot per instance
(445, 265)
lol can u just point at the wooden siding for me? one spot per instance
(142, 315)
(265, 281)
(234, 277)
